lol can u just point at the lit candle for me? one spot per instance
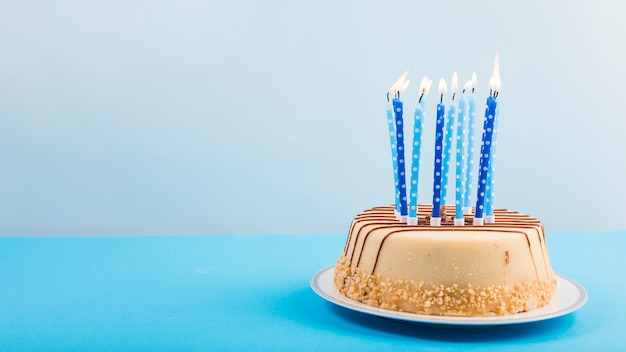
(417, 146)
(490, 216)
(399, 126)
(394, 153)
(447, 144)
(485, 149)
(469, 160)
(399, 85)
(461, 121)
(435, 219)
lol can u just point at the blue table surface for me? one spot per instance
(252, 293)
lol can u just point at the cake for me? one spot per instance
(495, 269)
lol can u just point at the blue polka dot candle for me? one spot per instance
(459, 219)
(490, 216)
(447, 143)
(399, 85)
(394, 153)
(416, 152)
(398, 111)
(435, 219)
(487, 142)
(469, 156)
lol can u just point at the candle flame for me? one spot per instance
(442, 86)
(401, 84)
(467, 86)
(471, 83)
(494, 82)
(455, 82)
(425, 85)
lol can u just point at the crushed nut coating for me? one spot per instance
(439, 299)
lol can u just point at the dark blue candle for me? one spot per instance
(435, 219)
(396, 128)
(398, 110)
(490, 216)
(485, 156)
(487, 147)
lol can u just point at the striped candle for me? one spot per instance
(447, 142)
(417, 146)
(469, 155)
(487, 142)
(435, 219)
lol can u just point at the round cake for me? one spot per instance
(495, 269)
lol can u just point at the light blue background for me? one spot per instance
(146, 117)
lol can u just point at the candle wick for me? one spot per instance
(420, 99)
(441, 99)
(398, 95)
(387, 96)
(463, 90)
(453, 94)
(472, 90)
(491, 92)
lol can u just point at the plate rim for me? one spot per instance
(520, 318)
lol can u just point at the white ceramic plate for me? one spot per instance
(569, 296)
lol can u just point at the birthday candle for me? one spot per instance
(394, 153)
(469, 160)
(447, 142)
(435, 219)
(398, 110)
(490, 216)
(417, 146)
(459, 220)
(399, 85)
(485, 152)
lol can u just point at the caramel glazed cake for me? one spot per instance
(495, 269)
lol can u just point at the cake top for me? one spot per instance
(504, 217)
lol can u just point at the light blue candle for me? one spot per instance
(469, 156)
(394, 153)
(487, 142)
(435, 219)
(459, 220)
(447, 142)
(417, 146)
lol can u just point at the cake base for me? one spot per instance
(495, 269)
